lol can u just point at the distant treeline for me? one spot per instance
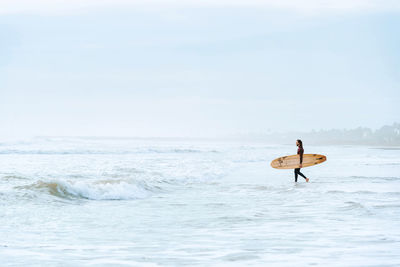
(388, 135)
(385, 136)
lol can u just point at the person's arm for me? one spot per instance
(301, 158)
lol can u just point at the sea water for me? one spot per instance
(164, 202)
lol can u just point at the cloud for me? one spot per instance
(54, 7)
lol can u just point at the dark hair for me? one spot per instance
(300, 142)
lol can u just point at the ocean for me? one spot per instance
(175, 202)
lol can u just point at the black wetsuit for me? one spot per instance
(297, 172)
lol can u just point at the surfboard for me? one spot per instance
(293, 161)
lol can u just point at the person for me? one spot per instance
(300, 151)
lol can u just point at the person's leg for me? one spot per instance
(302, 175)
(295, 174)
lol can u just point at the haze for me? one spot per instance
(140, 68)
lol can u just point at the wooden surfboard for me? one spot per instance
(293, 161)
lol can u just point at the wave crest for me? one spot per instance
(95, 190)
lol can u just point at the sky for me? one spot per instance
(196, 68)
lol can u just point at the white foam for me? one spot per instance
(102, 190)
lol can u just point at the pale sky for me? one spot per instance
(197, 68)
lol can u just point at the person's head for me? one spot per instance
(299, 143)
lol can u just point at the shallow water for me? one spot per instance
(148, 202)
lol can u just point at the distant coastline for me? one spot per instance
(388, 135)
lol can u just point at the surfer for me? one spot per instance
(300, 151)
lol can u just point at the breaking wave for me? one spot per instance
(95, 190)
